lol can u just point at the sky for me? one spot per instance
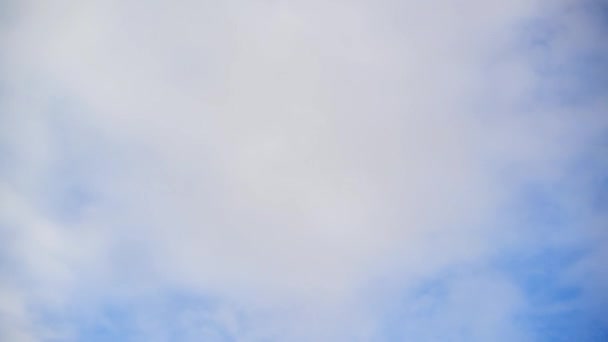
(303, 170)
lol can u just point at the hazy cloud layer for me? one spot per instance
(303, 170)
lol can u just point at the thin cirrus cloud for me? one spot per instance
(303, 171)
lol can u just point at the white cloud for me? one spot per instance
(281, 154)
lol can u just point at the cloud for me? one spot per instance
(290, 157)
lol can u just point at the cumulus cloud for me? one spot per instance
(304, 163)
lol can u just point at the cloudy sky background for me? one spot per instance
(303, 170)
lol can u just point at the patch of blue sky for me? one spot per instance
(577, 82)
(541, 267)
(539, 274)
(551, 242)
(570, 73)
(458, 305)
(447, 307)
(564, 324)
(538, 206)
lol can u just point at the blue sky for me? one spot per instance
(303, 171)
